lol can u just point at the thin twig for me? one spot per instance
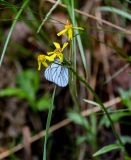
(47, 15)
(96, 18)
(58, 126)
(117, 73)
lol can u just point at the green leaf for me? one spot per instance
(43, 103)
(81, 139)
(117, 11)
(13, 92)
(126, 139)
(78, 119)
(93, 127)
(30, 77)
(127, 158)
(107, 149)
(29, 82)
(114, 116)
(126, 97)
(129, 1)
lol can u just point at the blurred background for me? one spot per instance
(25, 95)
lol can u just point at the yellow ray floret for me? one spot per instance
(42, 60)
(68, 28)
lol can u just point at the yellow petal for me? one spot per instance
(41, 58)
(51, 58)
(49, 53)
(70, 34)
(65, 44)
(61, 57)
(62, 32)
(78, 28)
(57, 45)
(45, 64)
(39, 66)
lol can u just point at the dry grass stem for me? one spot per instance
(58, 126)
(96, 19)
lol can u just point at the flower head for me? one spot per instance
(68, 28)
(42, 60)
(57, 53)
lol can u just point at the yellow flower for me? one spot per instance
(57, 53)
(68, 28)
(42, 60)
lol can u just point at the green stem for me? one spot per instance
(12, 28)
(72, 82)
(101, 105)
(48, 123)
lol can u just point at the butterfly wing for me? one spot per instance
(62, 77)
(50, 72)
(57, 74)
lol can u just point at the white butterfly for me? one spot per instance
(57, 74)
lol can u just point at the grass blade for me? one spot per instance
(11, 30)
(117, 11)
(48, 14)
(48, 123)
(107, 149)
